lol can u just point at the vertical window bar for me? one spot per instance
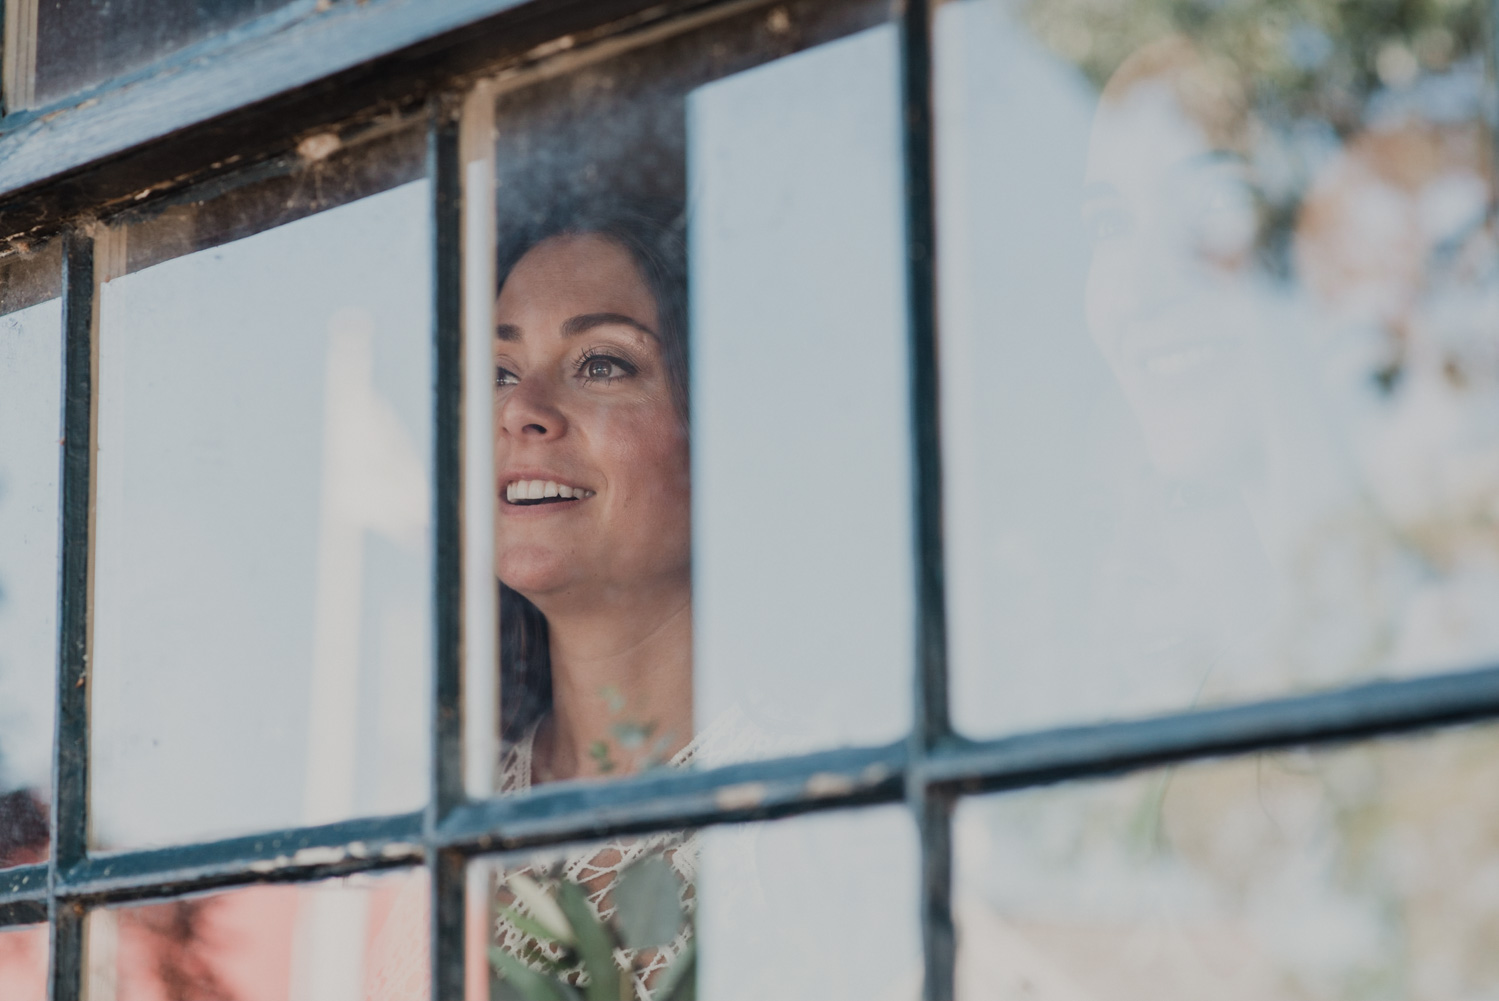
(69, 834)
(932, 808)
(445, 870)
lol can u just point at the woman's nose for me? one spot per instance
(529, 410)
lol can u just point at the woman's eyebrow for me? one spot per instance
(587, 321)
(507, 332)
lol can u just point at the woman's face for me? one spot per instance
(1170, 294)
(591, 454)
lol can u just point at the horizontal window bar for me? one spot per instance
(671, 799)
(23, 912)
(353, 59)
(299, 854)
(758, 790)
(1385, 707)
(22, 885)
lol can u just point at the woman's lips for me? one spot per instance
(536, 491)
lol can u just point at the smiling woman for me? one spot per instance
(593, 533)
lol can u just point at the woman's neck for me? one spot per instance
(621, 688)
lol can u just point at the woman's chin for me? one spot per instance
(533, 574)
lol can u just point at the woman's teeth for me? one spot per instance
(534, 490)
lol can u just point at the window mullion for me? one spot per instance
(932, 807)
(446, 869)
(69, 820)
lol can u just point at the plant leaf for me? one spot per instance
(679, 982)
(543, 908)
(532, 985)
(648, 901)
(595, 944)
(531, 926)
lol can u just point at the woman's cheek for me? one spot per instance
(644, 450)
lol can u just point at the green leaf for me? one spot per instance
(595, 944)
(532, 985)
(531, 926)
(679, 982)
(543, 908)
(648, 902)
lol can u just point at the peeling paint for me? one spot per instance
(400, 849)
(741, 797)
(319, 147)
(829, 784)
(321, 855)
(553, 47)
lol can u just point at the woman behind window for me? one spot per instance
(593, 547)
(593, 538)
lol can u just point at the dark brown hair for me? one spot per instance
(653, 238)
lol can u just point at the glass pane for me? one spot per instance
(822, 907)
(23, 963)
(730, 194)
(1218, 302)
(1359, 873)
(361, 938)
(262, 574)
(54, 48)
(30, 458)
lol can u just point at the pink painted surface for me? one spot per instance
(240, 945)
(23, 964)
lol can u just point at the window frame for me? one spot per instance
(182, 123)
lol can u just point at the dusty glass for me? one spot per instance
(699, 417)
(1357, 873)
(360, 938)
(820, 907)
(30, 458)
(262, 570)
(23, 962)
(54, 48)
(1218, 301)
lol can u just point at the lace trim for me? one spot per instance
(597, 870)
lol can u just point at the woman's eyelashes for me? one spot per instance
(599, 365)
(596, 365)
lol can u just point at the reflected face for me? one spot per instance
(591, 455)
(1170, 302)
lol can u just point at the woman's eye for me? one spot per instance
(605, 368)
(505, 377)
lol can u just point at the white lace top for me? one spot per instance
(596, 870)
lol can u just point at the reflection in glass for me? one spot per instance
(1359, 873)
(30, 456)
(659, 603)
(23, 962)
(822, 907)
(1218, 304)
(262, 570)
(361, 938)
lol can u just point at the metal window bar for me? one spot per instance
(851, 777)
(931, 806)
(927, 771)
(445, 868)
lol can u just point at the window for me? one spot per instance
(804, 499)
